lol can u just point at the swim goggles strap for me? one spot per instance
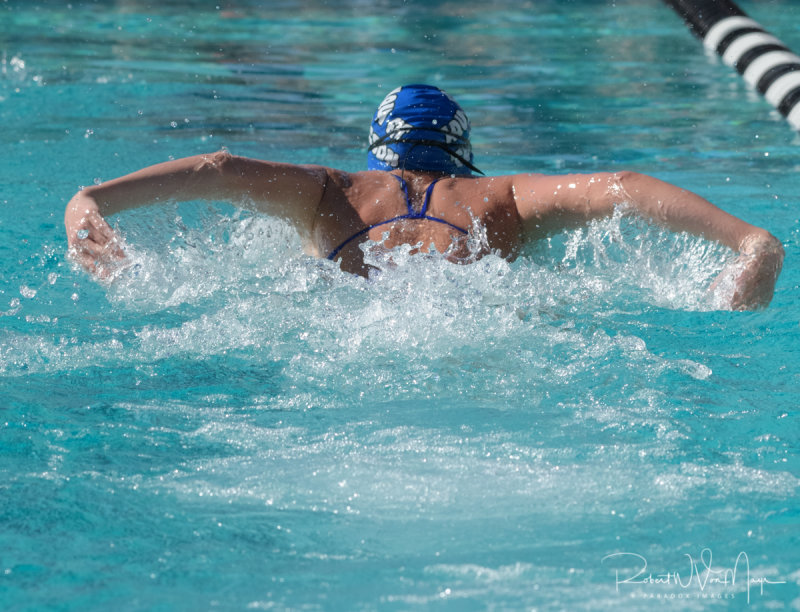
(390, 139)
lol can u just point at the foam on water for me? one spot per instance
(229, 284)
(226, 282)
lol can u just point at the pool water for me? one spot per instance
(232, 425)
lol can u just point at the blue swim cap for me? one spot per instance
(420, 127)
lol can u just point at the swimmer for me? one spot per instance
(421, 188)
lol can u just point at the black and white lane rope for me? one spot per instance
(764, 62)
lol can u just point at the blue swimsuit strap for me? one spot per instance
(412, 214)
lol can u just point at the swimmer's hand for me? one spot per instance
(92, 242)
(749, 281)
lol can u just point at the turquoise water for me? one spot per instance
(233, 425)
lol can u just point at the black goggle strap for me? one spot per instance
(391, 139)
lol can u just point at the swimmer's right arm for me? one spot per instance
(289, 191)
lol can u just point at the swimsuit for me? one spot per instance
(411, 214)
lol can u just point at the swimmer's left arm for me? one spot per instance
(286, 190)
(555, 202)
(290, 191)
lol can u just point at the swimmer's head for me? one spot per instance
(420, 127)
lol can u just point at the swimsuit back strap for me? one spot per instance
(404, 185)
(411, 214)
(455, 227)
(335, 251)
(427, 200)
(422, 214)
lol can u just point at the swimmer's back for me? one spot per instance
(363, 201)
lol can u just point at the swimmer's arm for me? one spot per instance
(289, 191)
(549, 203)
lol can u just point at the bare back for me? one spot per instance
(362, 202)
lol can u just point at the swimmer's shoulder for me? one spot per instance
(346, 193)
(353, 186)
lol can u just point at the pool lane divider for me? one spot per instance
(763, 61)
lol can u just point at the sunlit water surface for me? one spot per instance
(231, 424)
